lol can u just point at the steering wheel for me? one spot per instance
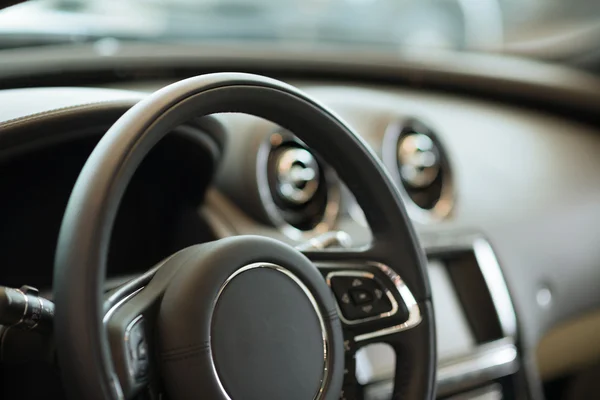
(245, 317)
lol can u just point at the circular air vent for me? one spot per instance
(418, 163)
(295, 175)
(300, 193)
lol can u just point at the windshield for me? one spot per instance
(536, 28)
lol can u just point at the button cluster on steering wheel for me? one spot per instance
(362, 297)
(137, 350)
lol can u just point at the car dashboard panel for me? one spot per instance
(507, 202)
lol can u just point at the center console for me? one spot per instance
(476, 327)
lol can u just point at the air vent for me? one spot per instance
(302, 193)
(418, 163)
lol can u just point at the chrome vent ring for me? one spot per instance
(300, 194)
(417, 161)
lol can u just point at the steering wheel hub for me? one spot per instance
(269, 316)
(265, 330)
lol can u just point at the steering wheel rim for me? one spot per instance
(82, 344)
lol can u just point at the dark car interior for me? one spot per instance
(235, 200)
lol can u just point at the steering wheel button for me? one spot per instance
(141, 370)
(142, 350)
(345, 298)
(342, 284)
(367, 309)
(360, 296)
(382, 305)
(137, 349)
(351, 312)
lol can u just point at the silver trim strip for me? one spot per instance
(494, 279)
(114, 308)
(490, 269)
(489, 392)
(313, 302)
(490, 361)
(414, 312)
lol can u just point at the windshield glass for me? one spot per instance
(537, 28)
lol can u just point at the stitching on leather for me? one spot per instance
(64, 110)
(184, 348)
(331, 315)
(184, 352)
(182, 357)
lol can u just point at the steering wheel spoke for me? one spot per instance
(375, 305)
(372, 299)
(130, 313)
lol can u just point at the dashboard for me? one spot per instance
(520, 179)
(504, 199)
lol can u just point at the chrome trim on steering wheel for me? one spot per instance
(414, 312)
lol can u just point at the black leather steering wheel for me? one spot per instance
(244, 317)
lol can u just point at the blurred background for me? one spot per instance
(556, 30)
